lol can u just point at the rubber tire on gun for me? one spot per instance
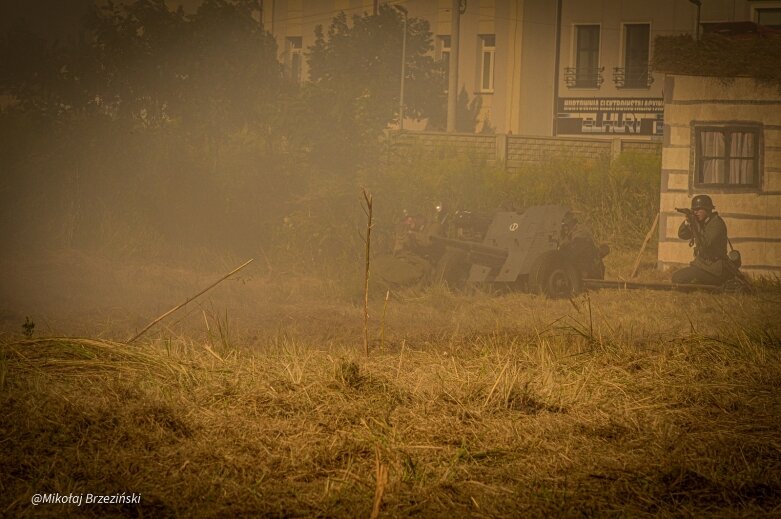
(554, 276)
(452, 268)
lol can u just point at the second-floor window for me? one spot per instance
(587, 71)
(488, 52)
(293, 58)
(636, 46)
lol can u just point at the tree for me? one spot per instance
(233, 79)
(353, 90)
(34, 51)
(215, 70)
(466, 115)
(149, 115)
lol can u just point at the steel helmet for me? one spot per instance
(702, 202)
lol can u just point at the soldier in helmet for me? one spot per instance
(707, 232)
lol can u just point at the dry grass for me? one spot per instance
(481, 405)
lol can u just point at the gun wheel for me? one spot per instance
(555, 277)
(452, 269)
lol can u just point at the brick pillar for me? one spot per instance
(615, 148)
(501, 147)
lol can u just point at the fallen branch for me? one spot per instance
(190, 299)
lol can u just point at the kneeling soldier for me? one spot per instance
(707, 232)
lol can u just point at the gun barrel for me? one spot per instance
(481, 254)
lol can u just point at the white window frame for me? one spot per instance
(487, 50)
(443, 52)
(291, 51)
(729, 127)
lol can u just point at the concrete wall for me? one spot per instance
(516, 150)
(525, 149)
(480, 146)
(753, 216)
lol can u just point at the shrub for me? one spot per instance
(617, 198)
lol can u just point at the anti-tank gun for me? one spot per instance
(544, 249)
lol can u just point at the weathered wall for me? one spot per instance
(477, 145)
(753, 216)
(522, 149)
(516, 150)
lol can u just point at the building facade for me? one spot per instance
(540, 67)
(604, 84)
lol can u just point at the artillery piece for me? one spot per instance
(544, 250)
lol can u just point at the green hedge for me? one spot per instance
(617, 198)
(721, 56)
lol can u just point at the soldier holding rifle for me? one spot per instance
(707, 232)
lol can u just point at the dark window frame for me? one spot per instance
(587, 75)
(760, 10)
(727, 129)
(636, 76)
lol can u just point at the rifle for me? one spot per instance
(697, 238)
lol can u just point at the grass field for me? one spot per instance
(629, 403)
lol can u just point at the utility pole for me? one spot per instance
(403, 12)
(556, 66)
(403, 72)
(452, 89)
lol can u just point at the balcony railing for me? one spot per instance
(633, 77)
(576, 77)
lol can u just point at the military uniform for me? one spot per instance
(708, 267)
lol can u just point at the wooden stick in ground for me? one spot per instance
(642, 248)
(368, 210)
(190, 299)
(382, 327)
